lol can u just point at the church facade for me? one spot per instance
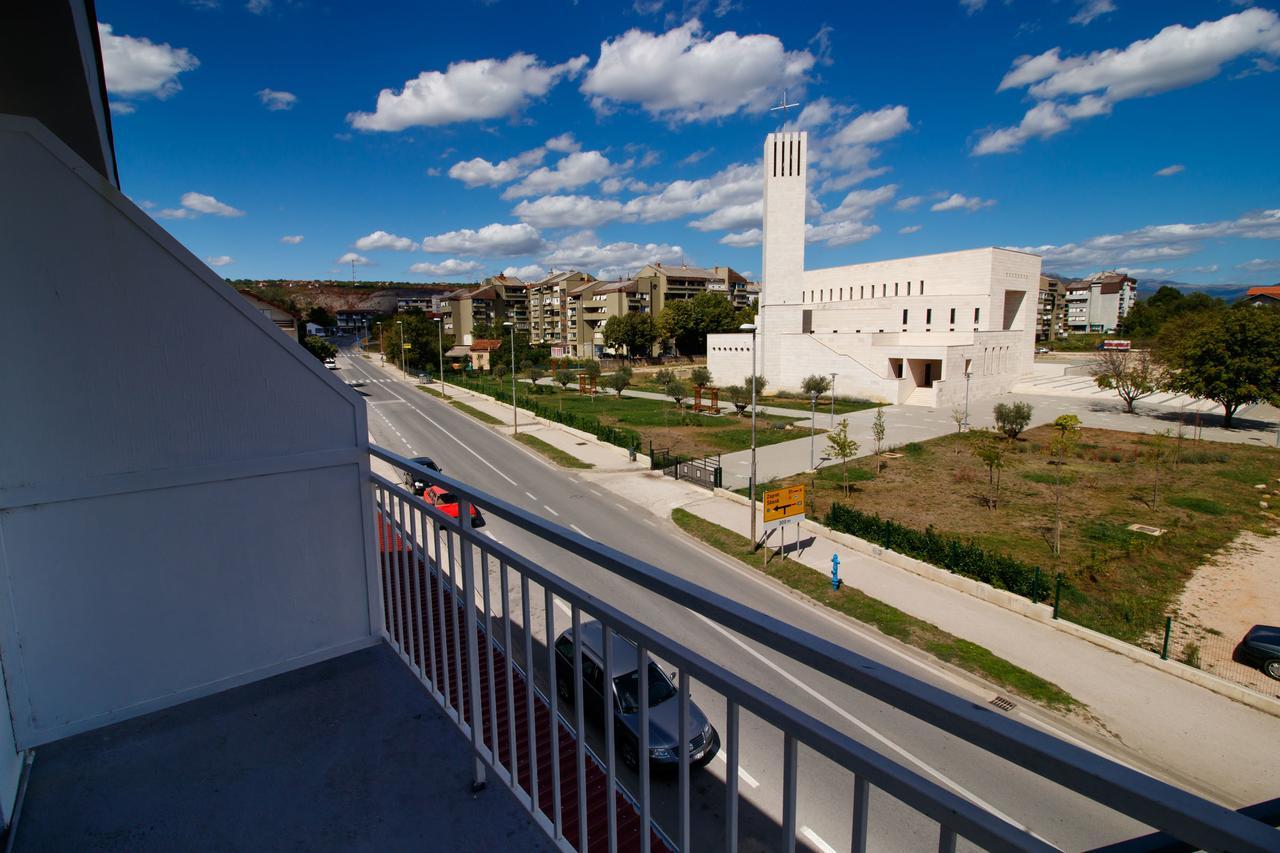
(900, 331)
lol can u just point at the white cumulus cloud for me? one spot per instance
(957, 201)
(465, 91)
(383, 240)
(1092, 9)
(219, 260)
(194, 204)
(291, 239)
(1171, 170)
(684, 75)
(909, 229)
(276, 100)
(1260, 265)
(496, 239)
(571, 171)
(448, 268)
(578, 211)
(352, 258)
(1076, 87)
(139, 66)
(583, 251)
(530, 272)
(750, 237)
(563, 144)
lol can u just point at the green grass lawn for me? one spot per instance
(858, 605)
(660, 421)
(483, 417)
(1119, 582)
(562, 458)
(426, 389)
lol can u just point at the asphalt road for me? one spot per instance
(414, 424)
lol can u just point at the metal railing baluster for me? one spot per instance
(946, 840)
(549, 607)
(415, 597)
(467, 568)
(861, 813)
(402, 560)
(512, 752)
(578, 726)
(488, 638)
(440, 611)
(610, 747)
(683, 735)
(731, 775)
(459, 695)
(428, 610)
(789, 762)
(385, 541)
(642, 754)
(530, 717)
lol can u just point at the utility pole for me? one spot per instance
(813, 418)
(440, 346)
(750, 327)
(515, 417)
(403, 375)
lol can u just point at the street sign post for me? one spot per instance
(783, 507)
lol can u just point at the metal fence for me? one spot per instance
(499, 592)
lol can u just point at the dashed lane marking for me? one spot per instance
(550, 510)
(817, 841)
(742, 774)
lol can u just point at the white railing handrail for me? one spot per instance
(1150, 801)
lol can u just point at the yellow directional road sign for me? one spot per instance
(783, 506)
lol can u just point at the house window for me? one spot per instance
(862, 291)
(977, 312)
(895, 288)
(922, 288)
(953, 316)
(908, 288)
(842, 294)
(884, 290)
(904, 316)
(928, 316)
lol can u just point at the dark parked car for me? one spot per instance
(411, 482)
(1261, 648)
(624, 689)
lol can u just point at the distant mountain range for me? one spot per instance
(1228, 292)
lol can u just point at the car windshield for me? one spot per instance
(628, 686)
(446, 498)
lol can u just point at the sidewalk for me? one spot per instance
(1222, 745)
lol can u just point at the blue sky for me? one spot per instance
(453, 141)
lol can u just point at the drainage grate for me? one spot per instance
(1003, 704)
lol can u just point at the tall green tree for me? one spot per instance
(700, 376)
(817, 384)
(1133, 374)
(689, 321)
(1012, 418)
(995, 453)
(319, 347)
(618, 380)
(1231, 357)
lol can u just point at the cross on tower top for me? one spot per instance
(783, 105)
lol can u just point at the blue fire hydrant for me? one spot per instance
(835, 572)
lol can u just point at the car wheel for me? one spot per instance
(562, 688)
(1272, 668)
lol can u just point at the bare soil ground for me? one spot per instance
(1235, 590)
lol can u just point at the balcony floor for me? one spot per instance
(349, 754)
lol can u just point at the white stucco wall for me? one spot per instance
(183, 502)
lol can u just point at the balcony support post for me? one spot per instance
(473, 653)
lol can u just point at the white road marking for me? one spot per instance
(532, 496)
(742, 774)
(462, 443)
(964, 792)
(579, 530)
(566, 608)
(648, 522)
(597, 492)
(817, 841)
(550, 510)
(620, 506)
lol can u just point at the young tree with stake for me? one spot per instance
(844, 448)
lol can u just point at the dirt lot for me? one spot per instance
(1123, 583)
(1239, 587)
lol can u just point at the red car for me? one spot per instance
(447, 503)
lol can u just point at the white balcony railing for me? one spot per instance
(457, 608)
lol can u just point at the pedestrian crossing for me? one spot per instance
(1076, 385)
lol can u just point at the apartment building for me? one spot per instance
(498, 299)
(550, 309)
(1051, 309)
(1099, 302)
(671, 283)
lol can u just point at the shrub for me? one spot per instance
(1012, 418)
(964, 557)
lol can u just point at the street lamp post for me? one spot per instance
(833, 399)
(403, 375)
(967, 375)
(515, 418)
(440, 346)
(813, 421)
(750, 327)
(382, 352)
